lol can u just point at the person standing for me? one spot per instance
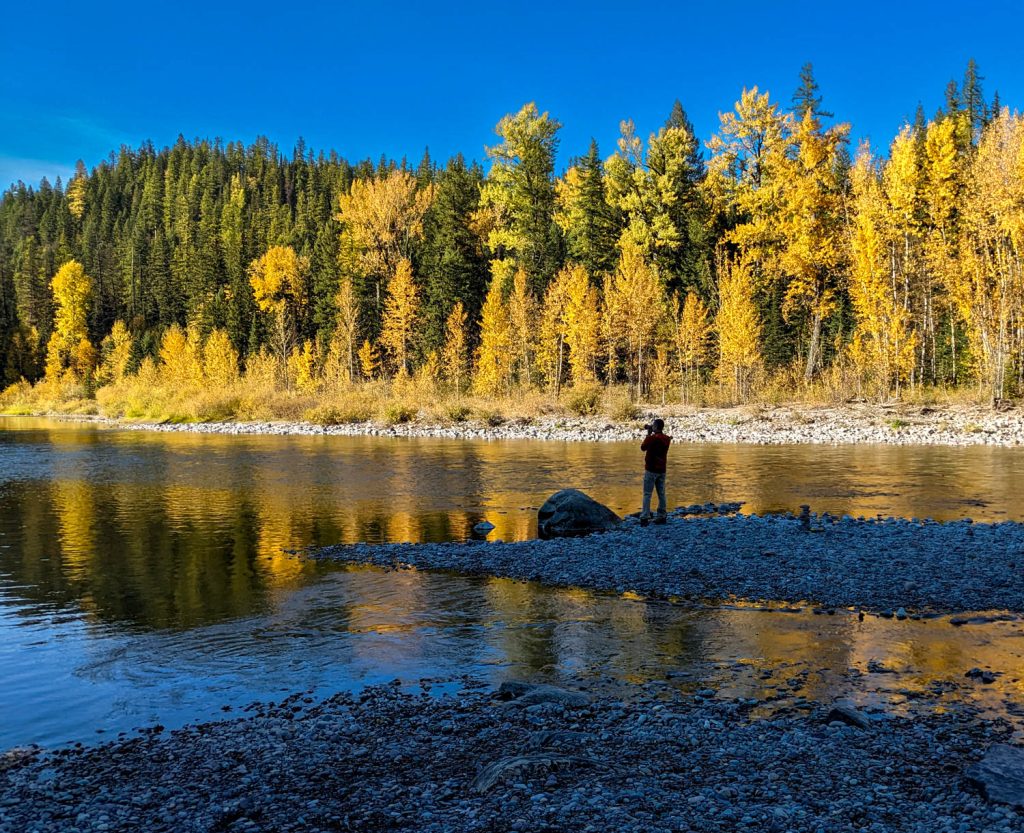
(655, 445)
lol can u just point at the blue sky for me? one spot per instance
(79, 79)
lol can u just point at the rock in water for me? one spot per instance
(1000, 775)
(570, 513)
(483, 528)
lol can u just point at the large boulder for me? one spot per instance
(570, 512)
(1000, 775)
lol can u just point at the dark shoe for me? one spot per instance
(644, 521)
(660, 519)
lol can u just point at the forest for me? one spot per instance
(211, 281)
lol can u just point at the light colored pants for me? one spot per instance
(654, 480)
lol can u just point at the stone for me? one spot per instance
(1000, 775)
(483, 527)
(847, 714)
(530, 694)
(518, 766)
(570, 513)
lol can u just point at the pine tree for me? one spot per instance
(519, 195)
(806, 99)
(586, 219)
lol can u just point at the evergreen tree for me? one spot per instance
(805, 98)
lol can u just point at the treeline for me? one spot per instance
(772, 254)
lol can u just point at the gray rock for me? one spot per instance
(530, 694)
(571, 513)
(849, 715)
(1000, 775)
(518, 766)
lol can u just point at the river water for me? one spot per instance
(151, 577)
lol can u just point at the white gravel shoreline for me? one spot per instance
(854, 424)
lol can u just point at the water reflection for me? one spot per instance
(174, 530)
(147, 577)
(360, 626)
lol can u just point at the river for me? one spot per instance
(153, 577)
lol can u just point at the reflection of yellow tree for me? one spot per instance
(76, 511)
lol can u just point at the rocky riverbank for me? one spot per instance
(521, 759)
(755, 424)
(881, 566)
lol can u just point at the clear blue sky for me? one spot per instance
(79, 79)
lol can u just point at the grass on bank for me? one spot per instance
(261, 394)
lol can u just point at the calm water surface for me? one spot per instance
(146, 577)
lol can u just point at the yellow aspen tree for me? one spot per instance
(72, 293)
(883, 345)
(303, 366)
(83, 359)
(902, 185)
(401, 311)
(737, 325)
(635, 308)
(811, 219)
(522, 314)
(692, 334)
(988, 285)
(340, 364)
(493, 360)
(455, 352)
(382, 219)
(180, 363)
(369, 360)
(117, 354)
(278, 280)
(661, 374)
(551, 346)
(582, 325)
(220, 360)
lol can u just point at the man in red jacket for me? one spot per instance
(656, 445)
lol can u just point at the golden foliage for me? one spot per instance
(383, 216)
(737, 325)
(493, 362)
(401, 311)
(455, 352)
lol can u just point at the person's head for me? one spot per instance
(658, 425)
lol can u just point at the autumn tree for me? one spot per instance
(634, 307)
(116, 352)
(72, 294)
(493, 359)
(582, 325)
(737, 325)
(401, 311)
(382, 219)
(455, 352)
(883, 345)
(692, 331)
(220, 360)
(278, 280)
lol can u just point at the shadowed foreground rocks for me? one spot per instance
(392, 760)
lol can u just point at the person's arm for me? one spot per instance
(646, 443)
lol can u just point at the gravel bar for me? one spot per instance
(397, 760)
(852, 424)
(876, 565)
